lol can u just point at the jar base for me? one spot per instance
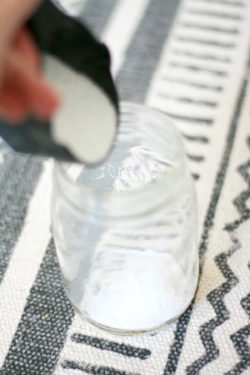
(139, 332)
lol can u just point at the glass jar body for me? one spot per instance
(129, 261)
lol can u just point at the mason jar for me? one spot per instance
(126, 230)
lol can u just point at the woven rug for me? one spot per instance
(189, 59)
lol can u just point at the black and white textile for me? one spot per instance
(190, 59)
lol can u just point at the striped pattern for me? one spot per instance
(15, 192)
(231, 283)
(191, 82)
(189, 59)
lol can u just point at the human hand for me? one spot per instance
(23, 90)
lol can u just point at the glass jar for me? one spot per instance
(126, 231)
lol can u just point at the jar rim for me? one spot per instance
(101, 198)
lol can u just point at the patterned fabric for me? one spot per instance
(189, 59)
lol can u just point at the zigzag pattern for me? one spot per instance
(239, 340)
(240, 202)
(215, 297)
(240, 337)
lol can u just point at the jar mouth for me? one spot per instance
(145, 167)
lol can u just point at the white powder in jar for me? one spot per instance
(138, 293)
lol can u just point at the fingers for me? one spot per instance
(45, 102)
(13, 13)
(23, 42)
(13, 106)
(24, 91)
(38, 93)
(41, 98)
